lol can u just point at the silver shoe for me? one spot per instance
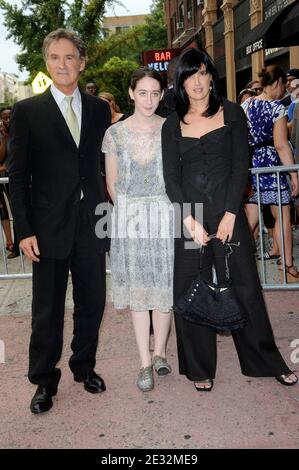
(145, 381)
(161, 365)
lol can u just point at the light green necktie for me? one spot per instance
(71, 120)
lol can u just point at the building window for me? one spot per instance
(174, 26)
(189, 10)
(219, 11)
(121, 29)
(181, 16)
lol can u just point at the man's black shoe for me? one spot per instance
(42, 399)
(93, 383)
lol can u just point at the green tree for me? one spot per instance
(126, 45)
(114, 77)
(29, 25)
(8, 100)
(129, 44)
(155, 31)
(124, 50)
(111, 61)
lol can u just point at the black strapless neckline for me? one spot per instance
(204, 135)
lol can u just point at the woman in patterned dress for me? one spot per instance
(268, 139)
(141, 253)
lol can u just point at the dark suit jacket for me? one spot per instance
(167, 106)
(47, 171)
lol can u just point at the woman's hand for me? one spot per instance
(294, 184)
(226, 227)
(196, 231)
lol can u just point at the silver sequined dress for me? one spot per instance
(141, 254)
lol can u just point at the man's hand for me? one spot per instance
(30, 248)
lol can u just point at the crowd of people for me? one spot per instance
(161, 162)
(269, 143)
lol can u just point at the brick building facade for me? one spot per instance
(220, 26)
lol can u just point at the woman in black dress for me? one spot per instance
(205, 158)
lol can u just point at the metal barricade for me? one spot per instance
(21, 267)
(23, 270)
(274, 170)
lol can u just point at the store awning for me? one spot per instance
(280, 30)
(290, 27)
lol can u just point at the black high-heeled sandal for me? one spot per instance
(282, 379)
(290, 276)
(209, 382)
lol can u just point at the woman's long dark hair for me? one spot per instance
(189, 63)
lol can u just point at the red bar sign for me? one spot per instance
(159, 59)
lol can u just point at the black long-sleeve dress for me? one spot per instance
(213, 170)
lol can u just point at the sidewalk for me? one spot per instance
(240, 412)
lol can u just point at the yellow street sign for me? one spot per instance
(40, 83)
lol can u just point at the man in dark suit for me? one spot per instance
(56, 184)
(167, 105)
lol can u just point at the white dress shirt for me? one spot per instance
(61, 103)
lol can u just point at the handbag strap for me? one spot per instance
(228, 251)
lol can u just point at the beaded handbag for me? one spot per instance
(207, 304)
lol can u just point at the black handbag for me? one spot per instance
(208, 304)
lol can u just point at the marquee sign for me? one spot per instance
(159, 59)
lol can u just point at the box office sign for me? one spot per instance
(256, 46)
(159, 59)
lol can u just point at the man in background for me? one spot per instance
(167, 105)
(92, 89)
